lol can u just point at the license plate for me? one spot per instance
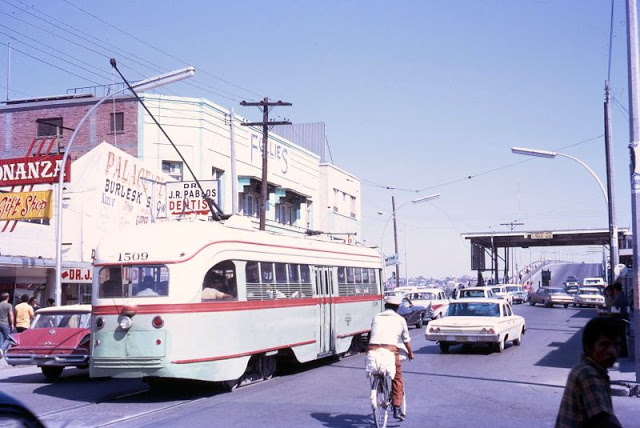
(462, 338)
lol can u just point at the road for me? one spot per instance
(520, 387)
(560, 271)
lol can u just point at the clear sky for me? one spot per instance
(421, 97)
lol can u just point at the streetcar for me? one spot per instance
(222, 302)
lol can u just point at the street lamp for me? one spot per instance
(613, 227)
(395, 229)
(144, 85)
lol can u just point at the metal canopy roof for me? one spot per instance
(540, 238)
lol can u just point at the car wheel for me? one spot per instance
(566, 305)
(51, 372)
(532, 303)
(420, 321)
(444, 347)
(518, 341)
(500, 345)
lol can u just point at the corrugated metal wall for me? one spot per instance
(311, 136)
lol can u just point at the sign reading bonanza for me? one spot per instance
(25, 205)
(32, 170)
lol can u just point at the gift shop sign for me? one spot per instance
(33, 170)
(25, 205)
(185, 197)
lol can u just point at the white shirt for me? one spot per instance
(389, 328)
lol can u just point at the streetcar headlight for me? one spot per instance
(99, 323)
(125, 323)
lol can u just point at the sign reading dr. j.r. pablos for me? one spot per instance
(185, 197)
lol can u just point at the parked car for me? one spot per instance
(518, 294)
(549, 296)
(414, 314)
(431, 298)
(500, 291)
(59, 337)
(477, 320)
(588, 296)
(474, 292)
(593, 282)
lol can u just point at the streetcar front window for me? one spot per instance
(220, 282)
(133, 281)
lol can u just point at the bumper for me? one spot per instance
(463, 338)
(61, 360)
(560, 301)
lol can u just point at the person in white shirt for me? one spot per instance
(389, 330)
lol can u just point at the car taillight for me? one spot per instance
(157, 321)
(434, 329)
(436, 306)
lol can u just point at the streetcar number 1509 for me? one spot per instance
(129, 257)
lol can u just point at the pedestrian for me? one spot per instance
(50, 302)
(586, 401)
(34, 303)
(608, 298)
(24, 314)
(6, 322)
(620, 311)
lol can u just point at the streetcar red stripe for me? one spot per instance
(315, 250)
(242, 354)
(178, 308)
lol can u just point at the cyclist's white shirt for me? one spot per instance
(389, 328)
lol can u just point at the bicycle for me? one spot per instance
(381, 398)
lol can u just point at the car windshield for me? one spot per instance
(62, 320)
(556, 290)
(514, 289)
(422, 296)
(474, 309)
(595, 292)
(472, 293)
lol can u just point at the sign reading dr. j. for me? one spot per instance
(25, 205)
(185, 197)
(77, 276)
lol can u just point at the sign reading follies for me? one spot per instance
(33, 170)
(25, 205)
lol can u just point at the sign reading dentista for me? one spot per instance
(25, 205)
(33, 170)
(185, 197)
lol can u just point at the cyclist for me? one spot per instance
(389, 331)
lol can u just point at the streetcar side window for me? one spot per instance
(281, 273)
(342, 278)
(350, 275)
(354, 281)
(294, 274)
(305, 274)
(220, 283)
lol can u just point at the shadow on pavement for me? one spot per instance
(357, 421)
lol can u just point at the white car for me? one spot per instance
(518, 294)
(470, 321)
(501, 291)
(593, 282)
(475, 292)
(588, 296)
(430, 297)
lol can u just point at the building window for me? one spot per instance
(286, 213)
(336, 194)
(353, 206)
(251, 204)
(216, 174)
(173, 168)
(49, 127)
(117, 123)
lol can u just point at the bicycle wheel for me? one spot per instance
(379, 402)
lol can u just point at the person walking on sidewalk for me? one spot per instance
(6, 322)
(24, 314)
(586, 401)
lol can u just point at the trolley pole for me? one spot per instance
(265, 104)
(634, 167)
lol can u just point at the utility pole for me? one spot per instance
(614, 257)
(512, 225)
(634, 166)
(265, 104)
(395, 239)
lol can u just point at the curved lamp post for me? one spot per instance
(613, 228)
(144, 85)
(395, 230)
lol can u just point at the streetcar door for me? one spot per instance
(323, 290)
